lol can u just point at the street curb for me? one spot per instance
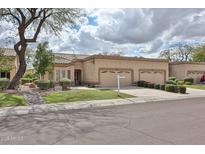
(44, 108)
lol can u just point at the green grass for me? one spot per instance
(83, 95)
(7, 100)
(202, 87)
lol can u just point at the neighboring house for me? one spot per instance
(190, 69)
(14, 60)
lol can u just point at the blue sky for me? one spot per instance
(132, 32)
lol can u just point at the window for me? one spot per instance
(5, 75)
(68, 74)
(62, 73)
(57, 75)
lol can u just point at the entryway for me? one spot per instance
(77, 77)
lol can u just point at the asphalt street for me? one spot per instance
(166, 122)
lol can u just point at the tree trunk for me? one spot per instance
(21, 68)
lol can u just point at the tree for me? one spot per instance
(178, 53)
(199, 54)
(29, 22)
(43, 60)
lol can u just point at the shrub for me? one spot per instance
(4, 83)
(180, 82)
(25, 80)
(146, 84)
(157, 86)
(65, 83)
(188, 83)
(150, 85)
(162, 87)
(140, 83)
(34, 79)
(182, 89)
(172, 78)
(171, 82)
(52, 84)
(171, 88)
(31, 76)
(189, 79)
(43, 84)
(91, 86)
(35, 82)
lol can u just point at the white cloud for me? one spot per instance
(131, 31)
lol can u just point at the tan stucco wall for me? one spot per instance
(181, 70)
(15, 67)
(89, 72)
(92, 67)
(72, 72)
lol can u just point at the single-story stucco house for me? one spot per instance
(190, 69)
(102, 70)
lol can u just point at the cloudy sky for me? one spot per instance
(134, 32)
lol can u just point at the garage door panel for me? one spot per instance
(153, 76)
(109, 77)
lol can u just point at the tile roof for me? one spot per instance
(114, 57)
(7, 52)
(63, 58)
(187, 62)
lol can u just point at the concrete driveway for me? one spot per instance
(147, 93)
(173, 122)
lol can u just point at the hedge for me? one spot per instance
(150, 85)
(182, 89)
(189, 79)
(4, 83)
(25, 80)
(43, 84)
(171, 82)
(140, 83)
(65, 83)
(162, 87)
(146, 84)
(172, 78)
(180, 82)
(157, 86)
(91, 85)
(171, 88)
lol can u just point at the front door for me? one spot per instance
(77, 77)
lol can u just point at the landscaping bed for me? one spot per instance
(7, 100)
(83, 95)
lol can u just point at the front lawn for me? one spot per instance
(7, 100)
(83, 95)
(202, 87)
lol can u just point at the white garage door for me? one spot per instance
(196, 75)
(109, 77)
(153, 76)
